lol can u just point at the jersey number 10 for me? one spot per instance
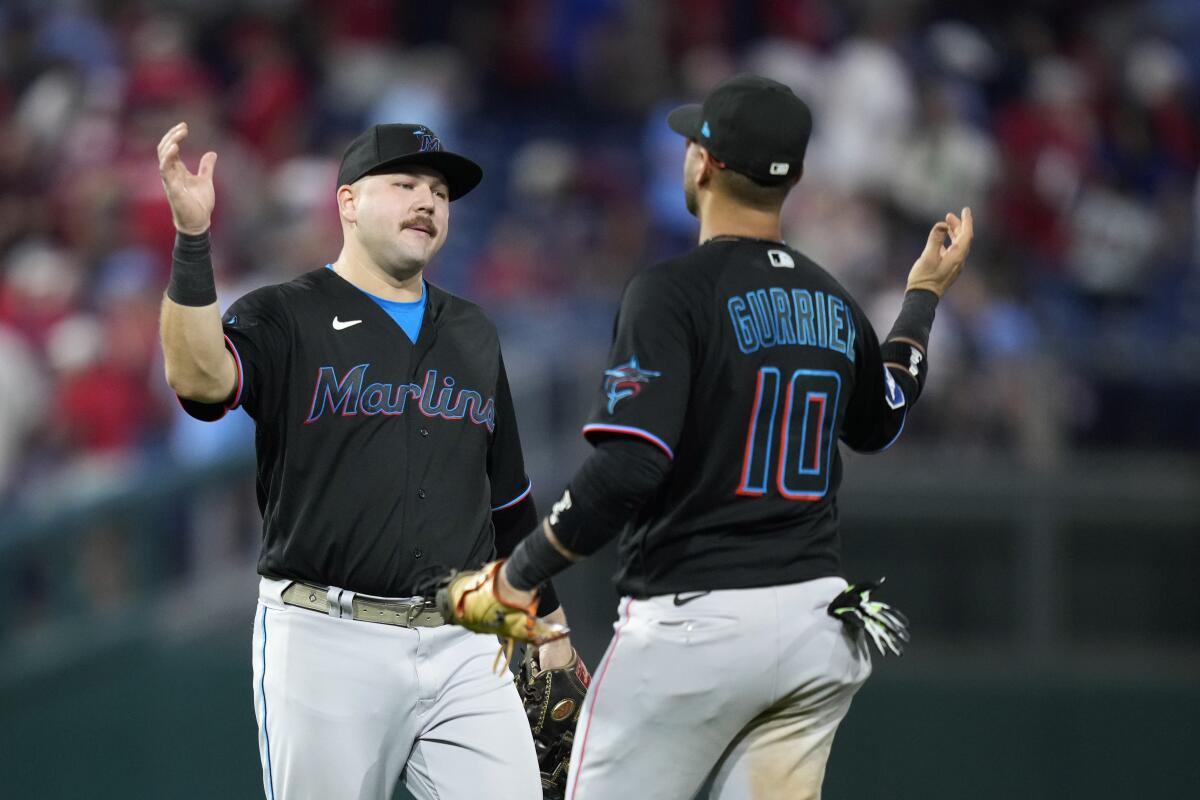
(798, 456)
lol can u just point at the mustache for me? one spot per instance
(421, 222)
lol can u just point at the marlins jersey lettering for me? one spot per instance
(744, 362)
(380, 460)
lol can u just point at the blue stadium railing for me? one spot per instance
(83, 574)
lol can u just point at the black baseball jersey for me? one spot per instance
(380, 461)
(744, 362)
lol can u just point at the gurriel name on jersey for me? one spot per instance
(774, 317)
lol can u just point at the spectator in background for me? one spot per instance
(1045, 137)
(268, 103)
(41, 289)
(1081, 135)
(947, 159)
(99, 406)
(22, 393)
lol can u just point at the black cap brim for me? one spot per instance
(461, 173)
(685, 120)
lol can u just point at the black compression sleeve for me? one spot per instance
(907, 347)
(916, 317)
(192, 282)
(534, 561)
(620, 475)
(616, 479)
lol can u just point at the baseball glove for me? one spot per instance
(553, 700)
(469, 599)
(887, 626)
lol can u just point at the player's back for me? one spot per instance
(743, 358)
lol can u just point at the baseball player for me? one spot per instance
(735, 370)
(387, 451)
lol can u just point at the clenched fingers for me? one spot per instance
(953, 223)
(937, 236)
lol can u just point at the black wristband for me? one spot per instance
(192, 282)
(534, 562)
(547, 599)
(916, 317)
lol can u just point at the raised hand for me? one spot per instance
(939, 264)
(191, 196)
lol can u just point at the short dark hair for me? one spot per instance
(749, 192)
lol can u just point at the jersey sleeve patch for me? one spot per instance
(625, 381)
(892, 393)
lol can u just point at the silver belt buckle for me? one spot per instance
(416, 607)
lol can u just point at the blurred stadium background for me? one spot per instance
(1040, 521)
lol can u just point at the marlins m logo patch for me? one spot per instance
(893, 395)
(429, 142)
(626, 380)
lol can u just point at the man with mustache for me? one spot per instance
(387, 452)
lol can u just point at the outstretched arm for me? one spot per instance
(198, 367)
(905, 349)
(891, 375)
(615, 480)
(932, 274)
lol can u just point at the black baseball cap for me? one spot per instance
(391, 147)
(754, 125)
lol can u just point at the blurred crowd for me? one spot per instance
(1071, 128)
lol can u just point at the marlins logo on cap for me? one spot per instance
(429, 142)
(392, 147)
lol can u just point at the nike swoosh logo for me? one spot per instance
(681, 599)
(338, 325)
